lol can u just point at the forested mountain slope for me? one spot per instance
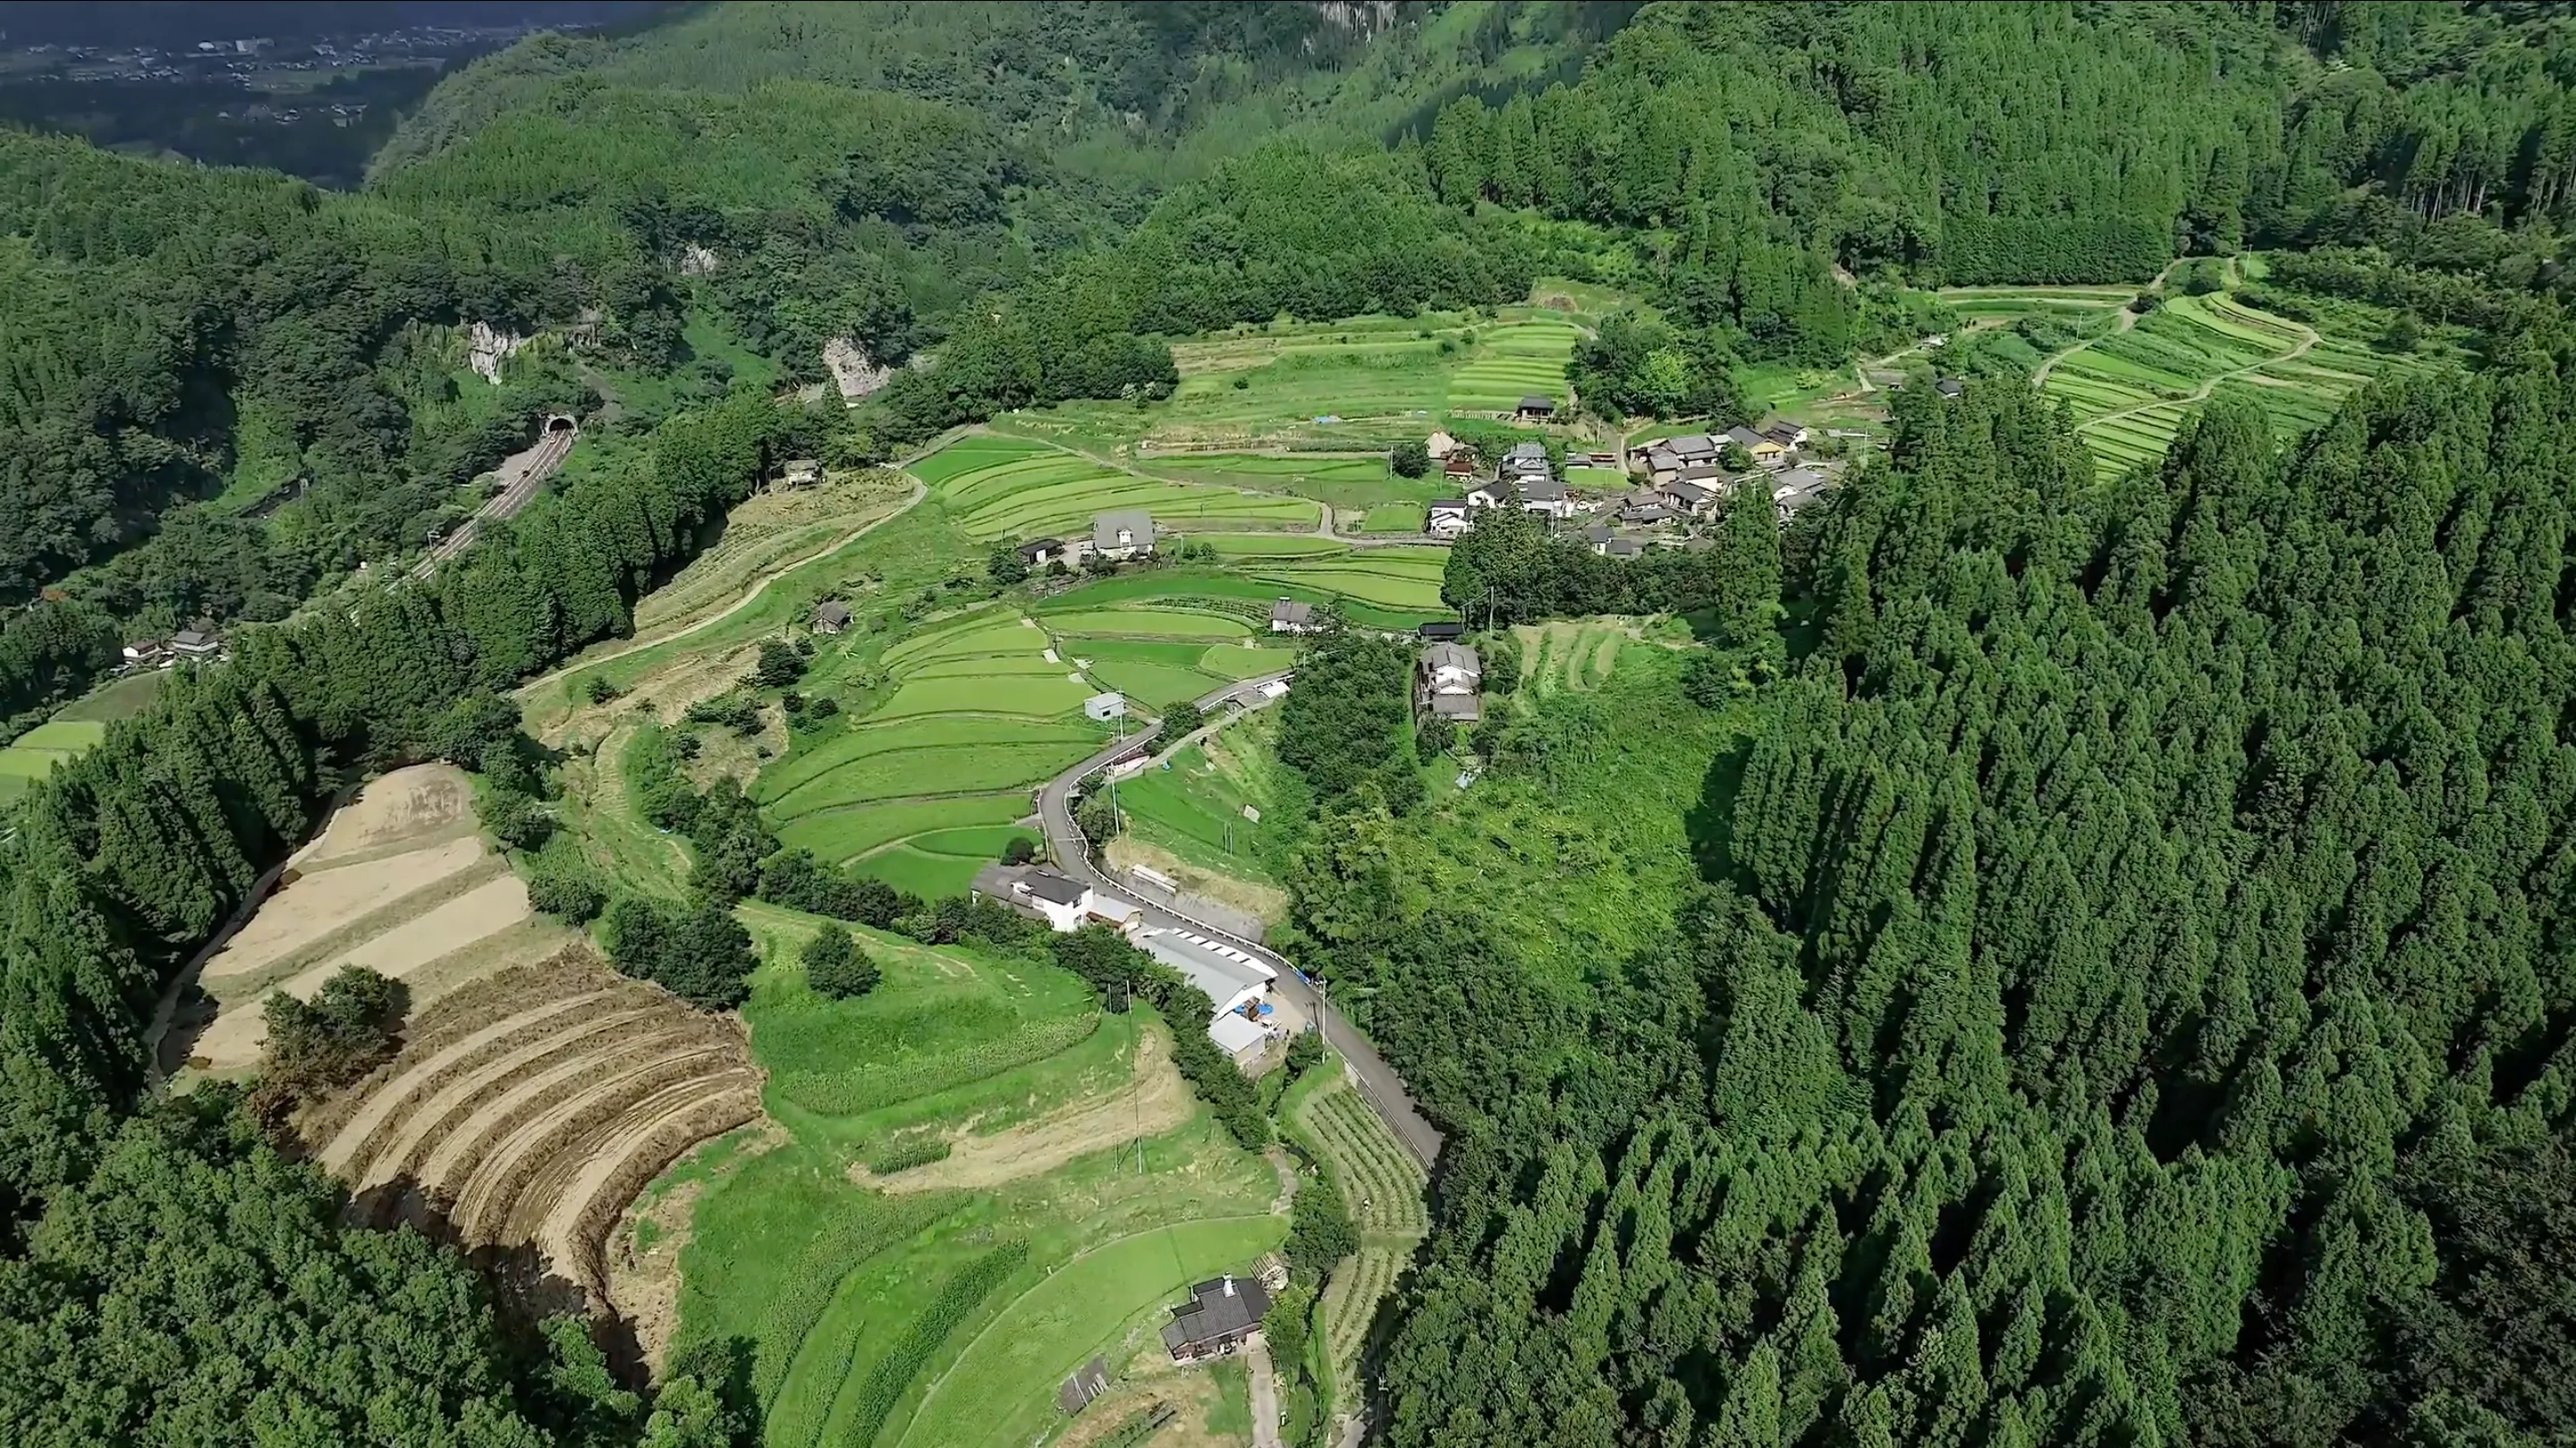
(2131, 999)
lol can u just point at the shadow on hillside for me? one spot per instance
(1711, 822)
(526, 1288)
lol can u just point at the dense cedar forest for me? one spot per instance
(2128, 995)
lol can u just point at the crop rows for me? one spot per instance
(849, 1091)
(1350, 1301)
(519, 1116)
(958, 1298)
(1370, 1164)
(1027, 494)
(866, 1224)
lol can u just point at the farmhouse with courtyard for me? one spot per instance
(1042, 894)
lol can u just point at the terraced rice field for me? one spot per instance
(2005, 305)
(941, 1304)
(33, 755)
(978, 716)
(1568, 657)
(1390, 578)
(400, 883)
(1511, 361)
(1160, 656)
(760, 536)
(530, 1107)
(1028, 490)
(2130, 391)
(1382, 1187)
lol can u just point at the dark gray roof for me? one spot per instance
(1702, 472)
(1138, 523)
(189, 638)
(1598, 532)
(1036, 546)
(1290, 610)
(1660, 458)
(1047, 885)
(1527, 450)
(1743, 436)
(1542, 490)
(1691, 493)
(1536, 403)
(1443, 656)
(1446, 505)
(1623, 547)
(1691, 443)
(1442, 630)
(1797, 479)
(1465, 708)
(834, 613)
(1215, 1315)
(1949, 387)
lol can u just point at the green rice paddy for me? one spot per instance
(1027, 494)
(34, 754)
(2131, 391)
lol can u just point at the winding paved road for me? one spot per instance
(1378, 1082)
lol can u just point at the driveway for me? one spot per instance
(1378, 1082)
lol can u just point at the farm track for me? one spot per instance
(354, 1134)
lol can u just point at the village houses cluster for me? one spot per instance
(1677, 482)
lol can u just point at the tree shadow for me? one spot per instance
(1710, 823)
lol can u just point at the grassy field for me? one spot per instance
(1160, 656)
(948, 1315)
(1347, 485)
(33, 755)
(999, 493)
(1358, 384)
(1193, 806)
(108, 703)
(985, 1398)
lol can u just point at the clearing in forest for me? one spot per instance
(2131, 389)
(1152, 1102)
(33, 755)
(400, 882)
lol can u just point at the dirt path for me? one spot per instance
(919, 492)
(2307, 338)
(1154, 1102)
(2126, 320)
(1265, 1392)
(636, 1154)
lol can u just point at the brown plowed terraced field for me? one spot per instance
(528, 1109)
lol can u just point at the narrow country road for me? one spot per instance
(1265, 1392)
(1379, 1084)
